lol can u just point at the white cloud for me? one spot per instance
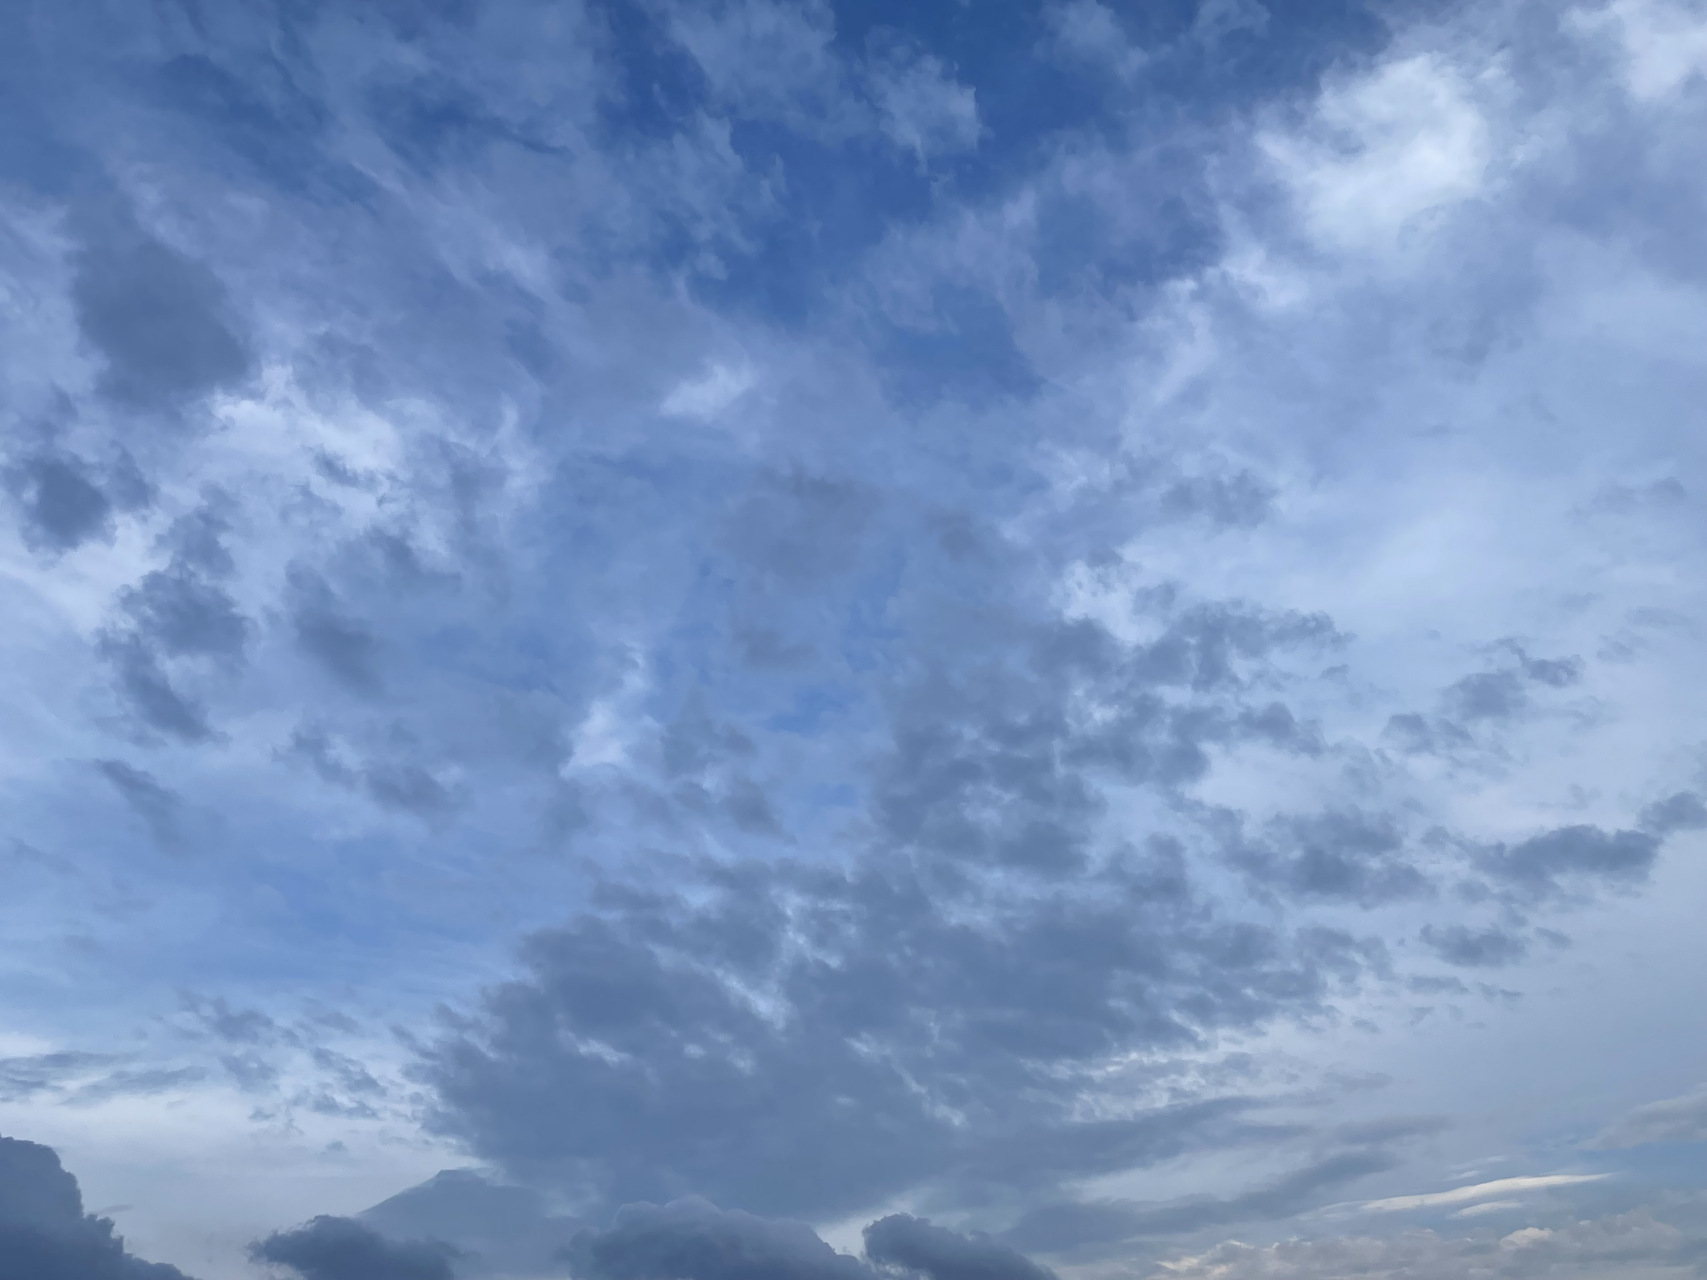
(1481, 1191)
(1385, 150)
(1664, 44)
(709, 394)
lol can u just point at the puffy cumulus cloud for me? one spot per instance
(44, 1233)
(344, 1249)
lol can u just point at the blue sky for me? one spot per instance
(640, 632)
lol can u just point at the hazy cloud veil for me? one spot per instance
(836, 641)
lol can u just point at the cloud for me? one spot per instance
(694, 1240)
(1072, 1227)
(1487, 948)
(1548, 863)
(1680, 1119)
(1389, 148)
(1621, 1245)
(44, 1233)
(1482, 1191)
(494, 1227)
(159, 320)
(343, 1249)
(817, 1040)
(914, 1244)
(157, 806)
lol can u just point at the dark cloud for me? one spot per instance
(1488, 695)
(62, 504)
(173, 622)
(183, 613)
(1573, 857)
(914, 1244)
(161, 322)
(393, 780)
(1681, 812)
(149, 692)
(694, 1240)
(341, 646)
(1421, 735)
(1488, 948)
(795, 1039)
(44, 1233)
(1339, 855)
(328, 1248)
(233, 1026)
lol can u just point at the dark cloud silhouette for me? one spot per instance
(329, 1248)
(44, 1233)
(161, 321)
(915, 1244)
(694, 1240)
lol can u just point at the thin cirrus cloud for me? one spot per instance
(831, 638)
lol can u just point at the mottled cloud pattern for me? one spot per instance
(662, 641)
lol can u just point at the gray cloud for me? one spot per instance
(44, 1233)
(694, 1240)
(161, 321)
(1681, 812)
(914, 1244)
(62, 504)
(495, 1228)
(341, 646)
(26, 1077)
(1680, 1119)
(149, 692)
(1342, 854)
(1573, 857)
(815, 1040)
(158, 807)
(328, 1248)
(1072, 1227)
(1487, 948)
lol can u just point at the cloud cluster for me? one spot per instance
(44, 1233)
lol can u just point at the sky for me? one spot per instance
(846, 640)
